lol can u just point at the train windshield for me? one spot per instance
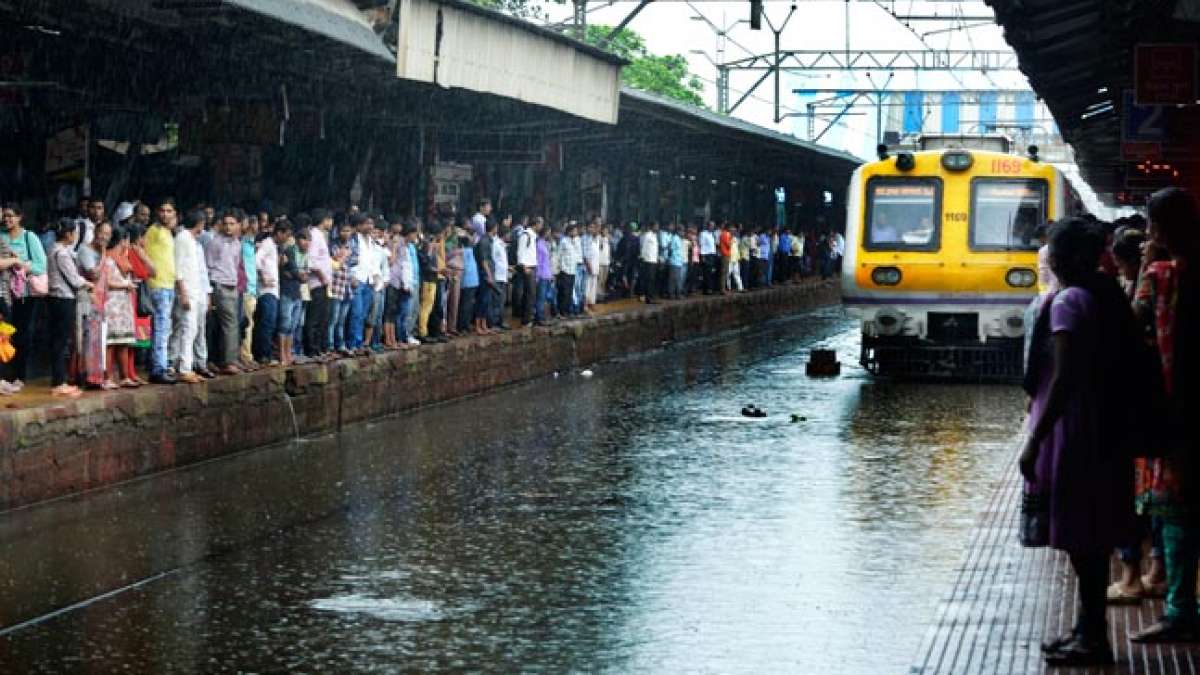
(1005, 212)
(903, 214)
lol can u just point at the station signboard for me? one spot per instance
(1165, 74)
(1142, 123)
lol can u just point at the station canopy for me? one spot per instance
(1120, 79)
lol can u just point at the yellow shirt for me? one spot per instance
(160, 248)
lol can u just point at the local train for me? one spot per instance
(941, 258)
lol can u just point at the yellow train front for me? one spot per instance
(941, 259)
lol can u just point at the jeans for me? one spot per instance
(466, 308)
(288, 315)
(164, 301)
(300, 319)
(566, 287)
(360, 306)
(62, 327)
(375, 316)
(649, 279)
(677, 272)
(266, 316)
(708, 264)
(316, 322)
(545, 295)
(1181, 550)
(25, 313)
(403, 314)
(335, 337)
(497, 303)
(1132, 555)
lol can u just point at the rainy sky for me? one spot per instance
(668, 27)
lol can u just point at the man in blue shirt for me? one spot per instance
(675, 263)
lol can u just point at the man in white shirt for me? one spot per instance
(266, 311)
(500, 274)
(86, 225)
(591, 265)
(839, 250)
(649, 262)
(524, 282)
(708, 257)
(191, 298)
(381, 254)
(320, 274)
(479, 220)
(362, 279)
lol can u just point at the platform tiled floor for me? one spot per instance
(1006, 599)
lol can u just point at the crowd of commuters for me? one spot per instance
(209, 292)
(1111, 461)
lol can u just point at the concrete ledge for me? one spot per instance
(101, 439)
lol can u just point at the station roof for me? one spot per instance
(1079, 57)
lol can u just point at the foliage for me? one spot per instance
(664, 74)
(526, 9)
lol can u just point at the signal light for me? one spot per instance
(756, 10)
(957, 161)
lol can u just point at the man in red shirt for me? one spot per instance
(725, 250)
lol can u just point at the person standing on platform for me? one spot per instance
(1074, 465)
(708, 257)
(160, 249)
(726, 250)
(266, 319)
(224, 257)
(320, 275)
(28, 303)
(649, 262)
(1169, 291)
(64, 283)
(191, 298)
(525, 274)
(545, 275)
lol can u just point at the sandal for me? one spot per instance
(1081, 652)
(66, 391)
(129, 383)
(7, 389)
(1120, 595)
(109, 385)
(1166, 630)
(1058, 643)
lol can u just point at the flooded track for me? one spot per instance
(628, 522)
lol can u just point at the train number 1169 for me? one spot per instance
(1012, 166)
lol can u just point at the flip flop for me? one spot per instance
(1116, 595)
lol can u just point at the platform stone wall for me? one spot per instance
(102, 439)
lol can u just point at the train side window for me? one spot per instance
(1005, 212)
(903, 214)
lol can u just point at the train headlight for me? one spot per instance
(1019, 277)
(885, 276)
(905, 161)
(957, 160)
(889, 321)
(1012, 324)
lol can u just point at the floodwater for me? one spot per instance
(628, 522)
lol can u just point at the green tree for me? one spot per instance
(526, 9)
(667, 75)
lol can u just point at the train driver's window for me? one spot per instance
(902, 214)
(1005, 212)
